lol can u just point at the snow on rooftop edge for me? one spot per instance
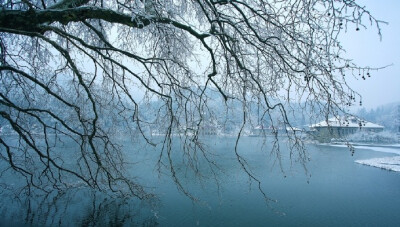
(346, 121)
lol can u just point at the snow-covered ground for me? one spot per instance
(395, 149)
(388, 163)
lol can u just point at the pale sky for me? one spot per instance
(366, 49)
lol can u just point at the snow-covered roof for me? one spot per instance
(346, 121)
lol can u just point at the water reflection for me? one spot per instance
(339, 193)
(74, 207)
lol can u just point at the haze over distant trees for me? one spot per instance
(74, 70)
(387, 115)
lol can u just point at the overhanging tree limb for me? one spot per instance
(30, 20)
(86, 72)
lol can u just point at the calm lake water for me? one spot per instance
(334, 191)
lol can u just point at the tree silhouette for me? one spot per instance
(85, 71)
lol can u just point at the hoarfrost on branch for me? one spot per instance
(85, 70)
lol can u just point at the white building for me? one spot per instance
(341, 127)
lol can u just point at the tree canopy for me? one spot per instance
(84, 69)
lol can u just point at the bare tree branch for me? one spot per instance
(86, 73)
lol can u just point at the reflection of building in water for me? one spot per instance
(341, 127)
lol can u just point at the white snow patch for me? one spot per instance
(381, 149)
(388, 163)
(393, 149)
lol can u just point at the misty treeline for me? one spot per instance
(387, 115)
(72, 71)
